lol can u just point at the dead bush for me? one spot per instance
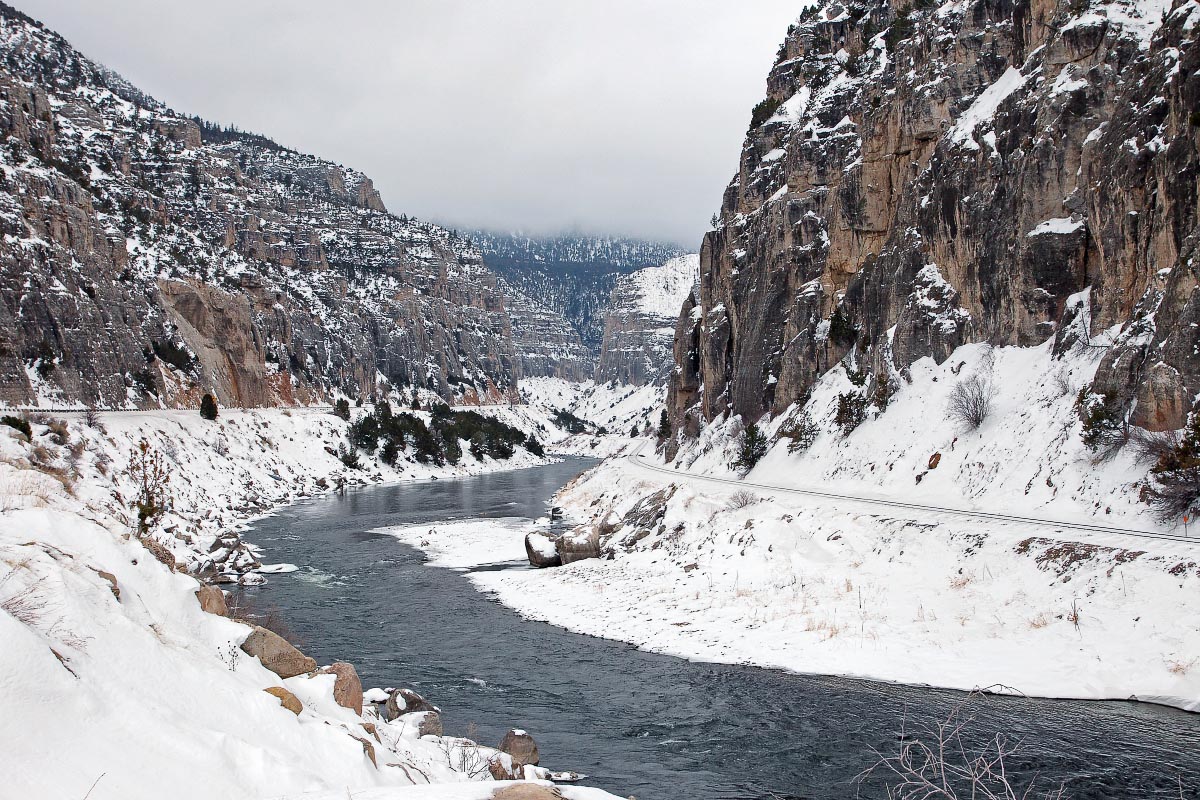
(971, 401)
(937, 762)
(742, 499)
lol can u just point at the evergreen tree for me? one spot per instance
(633, 432)
(664, 425)
(754, 447)
(208, 407)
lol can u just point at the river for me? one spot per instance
(653, 726)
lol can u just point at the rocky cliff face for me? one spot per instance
(639, 322)
(147, 257)
(920, 177)
(545, 343)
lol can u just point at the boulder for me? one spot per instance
(579, 544)
(212, 600)
(286, 699)
(541, 550)
(527, 791)
(276, 653)
(406, 701)
(520, 745)
(347, 688)
(502, 768)
(424, 723)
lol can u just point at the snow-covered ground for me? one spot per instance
(660, 291)
(727, 572)
(616, 407)
(115, 684)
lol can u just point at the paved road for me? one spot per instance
(639, 461)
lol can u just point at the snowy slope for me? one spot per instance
(660, 291)
(731, 572)
(112, 678)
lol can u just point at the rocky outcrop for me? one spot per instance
(545, 343)
(639, 323)
(920, 177)
(147, 258)
(276, 653)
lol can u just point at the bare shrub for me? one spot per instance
(971, 401)
(1062, 383)
(1151, 446)
(937, 763)
(91, 418)
(742, 499)
(464, 756)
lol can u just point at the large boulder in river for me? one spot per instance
(581, 543)
(347, 688)
(541, 550)
(276, 653)
(521, 746)
(406, 701)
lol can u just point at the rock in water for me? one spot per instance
(212, 600)
(541, 550)
(277, 654)
(521, 746)
(347, 688)
(286, 699)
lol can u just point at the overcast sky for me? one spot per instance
(611, 116)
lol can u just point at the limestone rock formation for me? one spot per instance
(639, 322)
(920, 177)
(544, 342)
(148, 257)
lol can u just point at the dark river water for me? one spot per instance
(656, 727)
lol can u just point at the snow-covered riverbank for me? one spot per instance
(115, 683)
(735, 573)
